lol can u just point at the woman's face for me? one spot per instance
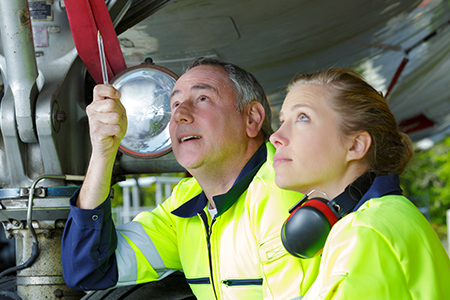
(311, 152)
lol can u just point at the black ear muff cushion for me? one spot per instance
(305, 231)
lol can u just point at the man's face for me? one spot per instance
(207, 132)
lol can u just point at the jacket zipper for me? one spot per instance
(236, 282)
(208, 240)
(198, 280)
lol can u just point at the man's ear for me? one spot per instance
(255, 118)
(360, 146)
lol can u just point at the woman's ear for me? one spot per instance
(255, 118)
(360, 146)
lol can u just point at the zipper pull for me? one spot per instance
(226, 282)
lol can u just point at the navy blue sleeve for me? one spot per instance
(88, 248)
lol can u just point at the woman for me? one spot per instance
(336, 128)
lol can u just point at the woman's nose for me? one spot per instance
(277, 138)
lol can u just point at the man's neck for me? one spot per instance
(219, 180)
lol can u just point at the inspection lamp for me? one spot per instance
(145, 93)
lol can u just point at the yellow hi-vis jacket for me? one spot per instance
(385, 250)
(236, 255)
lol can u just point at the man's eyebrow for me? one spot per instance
(204, 87)
(196, 87)
(174, 93)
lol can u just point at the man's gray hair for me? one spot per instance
(247, 88)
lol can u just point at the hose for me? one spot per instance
(35, 247)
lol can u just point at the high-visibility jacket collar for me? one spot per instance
(381, 186)
(225, 201)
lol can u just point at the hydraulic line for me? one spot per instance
(35, 247)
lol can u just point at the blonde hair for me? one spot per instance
(362, 108)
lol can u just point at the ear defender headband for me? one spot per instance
(306, 229)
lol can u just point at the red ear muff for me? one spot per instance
(305, 231)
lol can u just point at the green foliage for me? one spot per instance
(426, 176)
(117, 200)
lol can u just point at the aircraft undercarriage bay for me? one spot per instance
(48, 61)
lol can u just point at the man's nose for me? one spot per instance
(183, 113)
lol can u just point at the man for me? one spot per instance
(222, 227)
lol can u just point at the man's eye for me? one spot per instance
(203, 98)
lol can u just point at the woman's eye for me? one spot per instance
(303, 117)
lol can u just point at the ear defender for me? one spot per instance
(306, 229)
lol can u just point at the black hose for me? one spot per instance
(35, 247)
(9, 295)
(28, 263)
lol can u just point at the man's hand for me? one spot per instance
(107, 121)
(107, 126)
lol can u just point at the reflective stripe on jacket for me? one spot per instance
(384, 250)
(236, 255)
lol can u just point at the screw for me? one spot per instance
(61, 116)
(48, 234)
(336, 207)
(58, 293)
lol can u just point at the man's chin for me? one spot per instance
(188, 163)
